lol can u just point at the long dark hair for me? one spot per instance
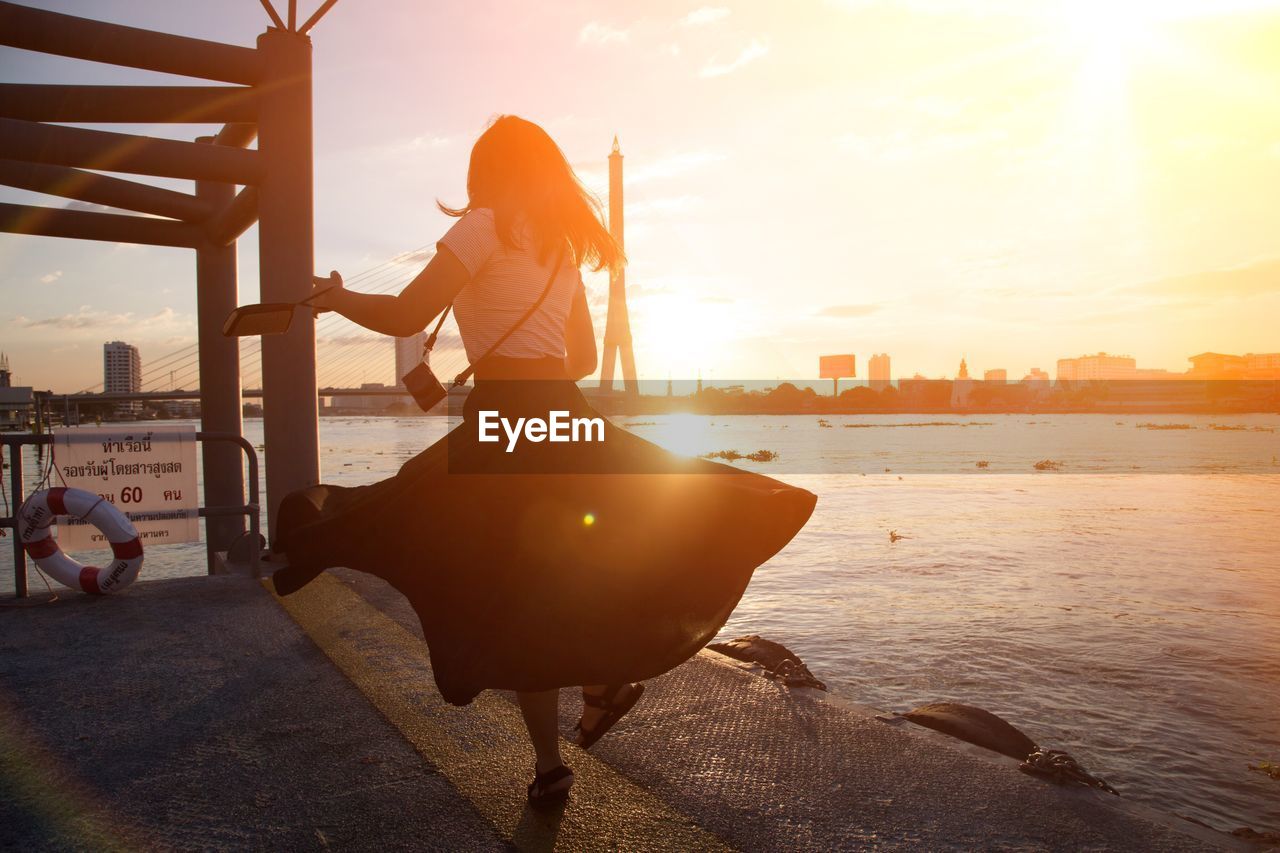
(519, 173)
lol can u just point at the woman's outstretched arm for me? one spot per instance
(403, 315)
(579, 338)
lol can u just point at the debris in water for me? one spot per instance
(1246, 833)
(1270, 768)
(982, 463)
(920, 424)
(894, 536)
(733, 455)
(1240, 428)
(1048, 465)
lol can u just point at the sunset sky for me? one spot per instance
(1007, 181)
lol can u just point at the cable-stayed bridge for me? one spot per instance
(347, 355)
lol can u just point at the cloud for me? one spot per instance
(416, 256)
(417, 143)
(86, 318)
(661, 207)
(671, 166)
(50, 278)
(355, 338)
(1252, 279)
(691, 284)
(704, 15)
(902, 145)
(597, 33)
(749, 54)
(845, 311)
(408, 147)
(970, 8)
(83, 319)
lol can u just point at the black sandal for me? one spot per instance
(613, 710)
(549, 789)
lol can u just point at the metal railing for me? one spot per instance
(15, 443)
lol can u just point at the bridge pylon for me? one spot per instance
(617, 328)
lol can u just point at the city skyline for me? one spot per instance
(124, 371)
(944, 204)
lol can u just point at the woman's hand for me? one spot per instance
(397, 315)
(326, 293)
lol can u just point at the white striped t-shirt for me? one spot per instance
(504, 283)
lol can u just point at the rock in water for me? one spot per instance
(778, 661)
(975, 726)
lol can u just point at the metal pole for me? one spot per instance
(286, 247)
(98, 41)
(234, 218)
(111, 227)
(102, 189)
(127, 104)
(15, 497)
(220, 405)
(59, 145)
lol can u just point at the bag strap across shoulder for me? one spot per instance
(462, 377)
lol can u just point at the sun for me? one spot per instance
(683, 334)
(1111, 37)
(1114, 35)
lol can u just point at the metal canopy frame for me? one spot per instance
(263, 92)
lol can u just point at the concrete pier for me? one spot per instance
(205, 713)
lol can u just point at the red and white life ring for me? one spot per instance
(39, 512)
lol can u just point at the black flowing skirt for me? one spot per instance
(556, 564)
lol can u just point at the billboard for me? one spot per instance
(837, 367)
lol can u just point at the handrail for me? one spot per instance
(252, 508)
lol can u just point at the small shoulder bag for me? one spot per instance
(422, 383)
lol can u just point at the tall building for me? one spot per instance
(1088, 368)
(617, 326)
(1216, 365)
(121, 368)
(1262, 365)
(1038, 381)
(16, 403)
(408, 355)
(962, 387)
(122, 373)
(998, 374)
(878, 375)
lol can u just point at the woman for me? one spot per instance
(540, 565)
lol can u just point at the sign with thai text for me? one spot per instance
(147, 472)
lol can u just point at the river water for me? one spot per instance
(1122, 604)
